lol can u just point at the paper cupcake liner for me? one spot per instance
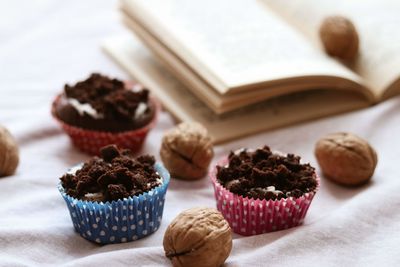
(119, 221)
(90, 141)
(249, 216)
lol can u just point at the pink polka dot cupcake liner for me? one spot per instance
(248, 216)
(90, 141)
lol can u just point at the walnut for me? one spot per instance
(187, 151)
(339, 37)
(9, 155)
(198, 237)
(346, 158)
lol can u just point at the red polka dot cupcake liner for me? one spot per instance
(90, 141)
(249, 216)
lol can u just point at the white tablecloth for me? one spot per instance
(44, 44)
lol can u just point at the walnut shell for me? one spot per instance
(198, 237)
(339, 37)
(346, 158)
(187, 151)
(9, 155)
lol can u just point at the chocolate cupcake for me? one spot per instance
(259, 191)
(116, 197)
(100, 111)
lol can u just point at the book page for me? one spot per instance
(232, 44)
(143, 66)
(377, 23)
(228, 102)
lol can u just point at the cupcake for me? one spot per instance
(116, 197)
(259, 191)
(100, 111)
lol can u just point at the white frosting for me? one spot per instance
(85, 108)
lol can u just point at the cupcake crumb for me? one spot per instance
(265, 175)
(102, 103)
(108, 96)
(110, 152)
(116, 175)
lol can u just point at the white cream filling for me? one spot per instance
(136, 88)
(159, 180)
(84, 108)
(74, 169)
(88, 109)
(140, 110)
(142, 107)
(272, 189)
(94, 195)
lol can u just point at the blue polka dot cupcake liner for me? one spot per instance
(119, 221)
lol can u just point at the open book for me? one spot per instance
(216, 59)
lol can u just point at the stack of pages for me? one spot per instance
(243, 66)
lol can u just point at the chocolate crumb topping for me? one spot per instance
(116, 175)
(265, 175)
(108, 97)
